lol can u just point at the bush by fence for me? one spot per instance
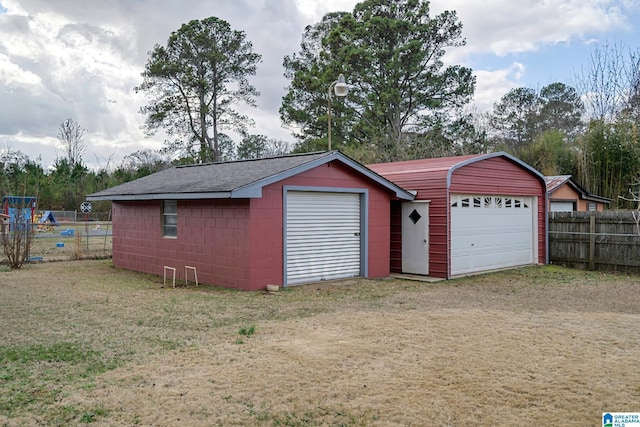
(608, 240)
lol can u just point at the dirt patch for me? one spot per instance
(526, 347)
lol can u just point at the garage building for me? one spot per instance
(245, 224)
(470, 214)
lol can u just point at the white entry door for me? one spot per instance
(415, 237)
(492, 232)
(323, 238)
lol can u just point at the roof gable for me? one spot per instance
(237, 179)
(555, 182)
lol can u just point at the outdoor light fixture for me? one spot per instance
(341, 89)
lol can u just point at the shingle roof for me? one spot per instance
(237, 179)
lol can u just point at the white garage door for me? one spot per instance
(323, 239)
(562, 207)
(491, 232)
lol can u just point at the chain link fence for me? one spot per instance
(68, 240)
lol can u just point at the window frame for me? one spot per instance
(170, 211)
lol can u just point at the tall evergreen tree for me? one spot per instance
(391, 54)
(514, 120)
(561, 109)
(194, 82)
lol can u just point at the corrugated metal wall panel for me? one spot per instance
(430, 185)
(498, 176)
(396, 237)
(438, 244)
(493, 175)
(322, 236)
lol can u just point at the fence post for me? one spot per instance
(592, 242)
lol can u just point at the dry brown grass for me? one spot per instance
(535, 346)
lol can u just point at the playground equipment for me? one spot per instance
(46, 221)
(20, 211)
(47, 217)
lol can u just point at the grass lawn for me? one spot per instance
(84, 343)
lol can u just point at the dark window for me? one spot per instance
(170, 218)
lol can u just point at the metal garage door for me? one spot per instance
(562, 207)
(491, 232)
(322, 236)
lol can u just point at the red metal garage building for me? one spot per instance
(470, 214)
(245, 224)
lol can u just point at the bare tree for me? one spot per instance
(259, 146)
(603, 82)
(634, 200)
(632, 109)
(71, 134)
(17, 237)
(146, 161)
(277, 147)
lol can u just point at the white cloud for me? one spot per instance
(491, 85)
(66, 58)
(81, 70)
(503, 27)
(314, 10)
(14, 75)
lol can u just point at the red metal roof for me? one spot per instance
(440, 164)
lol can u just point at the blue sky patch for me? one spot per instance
(3, 9)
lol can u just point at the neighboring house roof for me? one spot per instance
(444, 166)
(236, 179)
(557, 181)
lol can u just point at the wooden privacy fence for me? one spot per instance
(608, 240)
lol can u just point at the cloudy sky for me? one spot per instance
(81, 59)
